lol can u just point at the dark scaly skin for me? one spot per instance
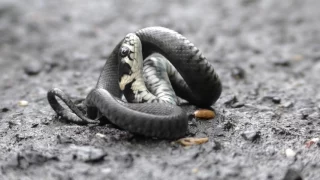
(201, 87)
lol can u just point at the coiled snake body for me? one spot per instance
(191, 76)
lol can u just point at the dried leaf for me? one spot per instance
(189, 141)
(204, 114)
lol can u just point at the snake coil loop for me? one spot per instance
(131, 69)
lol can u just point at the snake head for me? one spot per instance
(130, 48)
(130, 60)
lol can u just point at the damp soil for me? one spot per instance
(267, 54)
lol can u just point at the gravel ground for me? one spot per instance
(267, 54)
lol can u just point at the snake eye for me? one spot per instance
(124, 51)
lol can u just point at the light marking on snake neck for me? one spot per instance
(134, 44)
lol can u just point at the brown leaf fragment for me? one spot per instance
(189, 141)
(204, 114)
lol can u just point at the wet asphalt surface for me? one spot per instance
(267, 54)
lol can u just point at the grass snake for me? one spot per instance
(150, 112)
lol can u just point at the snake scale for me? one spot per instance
(151, 112)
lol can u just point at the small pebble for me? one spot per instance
(97, 158)
(285, 62)
(189, 141)
(232, 101)
(204, 114)
(229, 100)
(61, 139)
(287, 104)
(290, 153)
(106, 170)
(101, 135)
(192, 122)
(33, 68)
(23, 103)
(5, 109)
(34, 125)
(270, 150)
(216, 146)
(237, 105)
(251, 135)
(276, 100)
(237, 73)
